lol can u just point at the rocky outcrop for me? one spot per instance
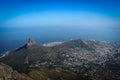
(7, 73)
(31, 42)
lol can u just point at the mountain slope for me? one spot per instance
(28, 54)
(91, 59)
(91, 51)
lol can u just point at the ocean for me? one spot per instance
(14, 37)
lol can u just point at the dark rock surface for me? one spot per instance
(7, 73)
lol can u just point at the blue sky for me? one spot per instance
(59, 13)
(57, 20)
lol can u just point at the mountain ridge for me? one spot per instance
(78, 56)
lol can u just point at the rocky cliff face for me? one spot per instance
(31, 42)
(7, 73)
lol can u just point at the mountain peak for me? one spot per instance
(31, 42)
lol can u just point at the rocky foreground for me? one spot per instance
(71, 60)
(7, 73)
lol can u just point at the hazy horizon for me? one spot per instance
(51, 20)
